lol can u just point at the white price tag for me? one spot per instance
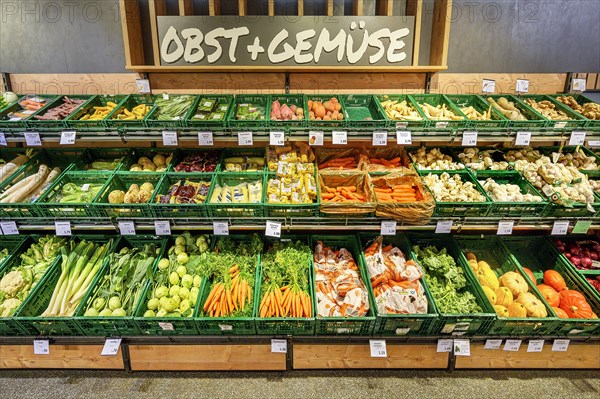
(577, 137)
(85, 187)
(63, 229)
(278, 346)
(379, 138)
(560, 228)
(522, 86)
(162, 227)
(469, 139)
(535, 345)
(205, 139)
(9, 228)
(488, 86)
(444, 226)
(68, 137)
(560, 125)
(221, 228)
(339, 137)
(401, 125)
(462, 347)
(505, 228)
(378, 348)
(315, 138)
(127, 228)
(245, 138)
(3, 139)
(591, 143)
(445, 345)
(165, 96)
(169, 138)
(273, 229)
(166, 326)
(41, 347)
(512, 345)
(277, 138)
(388, 228)
(560, 345)
(579, 84)
(142, 86)
(226, 327)
(523, 138)
(32, 139)
(403, 137)
(111, 347)
(493, 344)
(441, 125)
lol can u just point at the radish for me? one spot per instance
(44, 186)
(9, 168)
(31, 182)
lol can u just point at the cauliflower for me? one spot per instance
(14, 282)
(8, 307)
(116, 197)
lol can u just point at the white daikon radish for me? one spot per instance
(22, 191)
(9, 168)
(40, 189)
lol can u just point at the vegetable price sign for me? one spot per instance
(3, 139)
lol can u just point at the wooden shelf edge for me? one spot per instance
(308, 69)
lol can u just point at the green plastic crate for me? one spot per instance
(537, 254)
(314, 124)
(398, 123)
(509, 208)
(299, 100)
(399, 324)
(18, 125)
(534, 122)
(116, 156)
(278, 210)
(123, 181)
(48, 204)
(74, 121)
(345, 325)
(460, 209)
(33, 123)
(218, 104)
(479, 104)
(115, 326)
(440, 99)
(152, 120)
(363, 112)
(576, 119)
(286, 325)
(129, 103)
(150, 153)
(491, 250)
(192, 210)
(227, 210)
(581, 100)
(449, 323)
(12, 245)
(183, 158)
(565, 259)
(249, 125)
(411, 151)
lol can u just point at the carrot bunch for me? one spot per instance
(399, 193)
(32, 105)
(286, 301)
(391, 163)
(226, 298)
(341, 194)
(340, 163)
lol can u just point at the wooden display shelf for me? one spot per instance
(60, 357)
(205, 357)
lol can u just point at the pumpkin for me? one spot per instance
(484, 266)
(487, 279)
(530, 275)
(554, 280)
(490, 294)
(575, 305)
(534, 307)
(501, 311)
(517, 310)
(551, 296)
(503, 296)
(560, 313)
(514, 282)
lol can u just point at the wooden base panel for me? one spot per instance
(60, 357)
(205, 357)
(358, 356)
(578, 356)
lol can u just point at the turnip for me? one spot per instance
(149, 313)
(183, 293)
(197, 281)
(105, 313)
(119, 312)
(170, 304)
(174, 290)
(99, 303)
(174, 278)
(187, 280)
(180, 241)
(182, 258)
(161, 292)
(163, 264)
(184, 305)
(181, 271)
(179, 249)
(91, 312)
(153, 304)
(114, 303)
(193, 297)
(161, 313)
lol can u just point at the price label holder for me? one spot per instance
(488, 86)
(205, 139)
(493, 344)
(142, 86)
(512, 345)
(245, 138)
(469, 139)
(127, 228)
(444, 227)
(162, 227)
(33, 139)
(9, 228)
(378, 348)
(169, 138)
(379, 139)
(63, 229)
(582, 227)
(560, 345)
(578, 84)
(560, 228)
(523, 138)
(85, 187)
(445, 345)
(339, 137)
(111, 347)
(3, 139)
(41, 347)
(273, 229)
(388, 228)
(277, 138)
(560, 125)
(462, 347)
(221, 228)
(535, 345)
(278, 346)
(403, 137)
(505, 228)
(591, 143)
(165, 96)
(577, 137)
(226, 327)
(522, 86)
(315, 138)
(68, 137)
(166, 326)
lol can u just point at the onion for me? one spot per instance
(586, 262)
(10, 97)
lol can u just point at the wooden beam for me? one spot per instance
(131, 25)
(214, 7)
(385, 8)
(366, 83)
(237, 82)
(440, 33)
(415, 8)
(271, 8)
(186, 7)
(59, 357)
(330, 8)
(294, 68)
(357, 8)
(157, 8)
(300, 8)
(74, 83)
(242, 8)
(470, 83)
